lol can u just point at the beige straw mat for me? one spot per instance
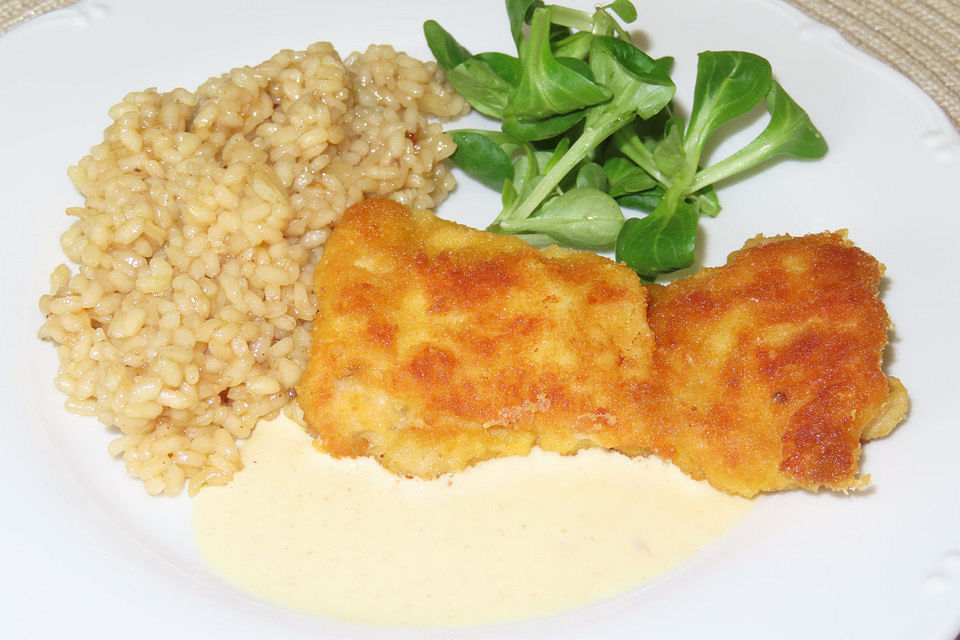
(921, 38)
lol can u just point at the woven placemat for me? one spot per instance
(920, 38)
(13, 12)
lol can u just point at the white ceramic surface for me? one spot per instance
(83, 549)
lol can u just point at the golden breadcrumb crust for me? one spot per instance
(437, 346)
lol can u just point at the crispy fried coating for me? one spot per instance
(768, 369)
(437, 346)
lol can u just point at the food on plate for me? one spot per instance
(437, 346)
(186, 317)
(770, 367)
(536, 535)
(589, 126)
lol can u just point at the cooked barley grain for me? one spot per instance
(187, 318)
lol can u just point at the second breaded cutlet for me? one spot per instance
(768, 370)
(437, 346)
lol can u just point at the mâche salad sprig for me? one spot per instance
(588, 128)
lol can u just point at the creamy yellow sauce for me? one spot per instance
(507, 539)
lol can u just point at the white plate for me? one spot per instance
(83, 547)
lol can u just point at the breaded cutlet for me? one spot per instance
(437, 346)
(768, 370)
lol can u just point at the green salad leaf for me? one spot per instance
(589, 129)
(551, 86)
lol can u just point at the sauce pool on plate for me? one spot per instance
(507, 539)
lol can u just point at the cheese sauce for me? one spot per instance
(506, 539)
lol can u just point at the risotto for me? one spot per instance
(187, 316)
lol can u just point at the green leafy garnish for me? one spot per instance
(588, 128)
(486, 157)
(547, 86)
(582, 217)
(624, 177)
(444, 47)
